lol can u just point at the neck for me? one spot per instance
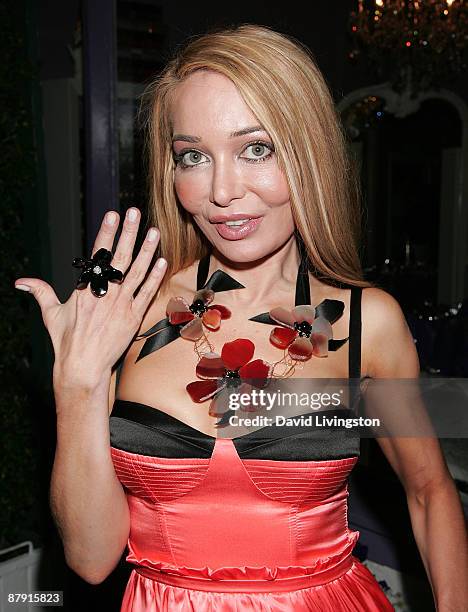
(263, 278)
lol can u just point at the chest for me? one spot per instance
(159, 379)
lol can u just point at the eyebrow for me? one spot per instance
(243, 132)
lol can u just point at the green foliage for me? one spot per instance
(19, 475)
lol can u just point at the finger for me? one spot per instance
(124, 251)
(42, 292)
(149, 287)
(106, 234)
(139, 268)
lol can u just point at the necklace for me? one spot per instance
(303, 332)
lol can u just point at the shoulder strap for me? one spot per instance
(355, 333)
(202, 271)
(302, 295)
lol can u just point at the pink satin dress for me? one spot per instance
(227, 534)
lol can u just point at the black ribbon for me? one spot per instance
(163, 332)
(331, 310)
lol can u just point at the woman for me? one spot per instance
(250, 190)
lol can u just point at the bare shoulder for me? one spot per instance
(380, 308)
(388, 348)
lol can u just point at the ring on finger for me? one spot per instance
(97, 271)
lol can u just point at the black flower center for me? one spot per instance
(198, 307)
(304, 328)
(232, 378)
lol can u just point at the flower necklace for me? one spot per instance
(303, 332)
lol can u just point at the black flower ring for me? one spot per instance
(97, 271)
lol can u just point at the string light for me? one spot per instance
(412, 44)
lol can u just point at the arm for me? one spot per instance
(434, 505)
(87, 500)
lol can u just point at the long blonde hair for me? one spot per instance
(281, 84)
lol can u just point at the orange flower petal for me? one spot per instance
(225, 312)
(212, 318)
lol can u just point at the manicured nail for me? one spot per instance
(111, 218)
(152, 233)
(161, 263)
(23, 287)
(132, 214)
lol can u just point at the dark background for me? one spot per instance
(61, 76)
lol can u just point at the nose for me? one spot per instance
(226, 184)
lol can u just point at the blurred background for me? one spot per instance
(71, 77)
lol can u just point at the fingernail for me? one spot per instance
(152, 234)
(132, 214)
(161, 263)
(111, 218)
(23, 287)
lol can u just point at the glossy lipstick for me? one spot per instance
(237, 232)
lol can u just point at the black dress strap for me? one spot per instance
(355, 333)
(302, 296)
(202, 271)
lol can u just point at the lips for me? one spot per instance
(233, 217)
(238, 232)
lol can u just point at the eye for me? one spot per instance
(189, 158)
(260, 151)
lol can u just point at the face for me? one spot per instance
(226, 170)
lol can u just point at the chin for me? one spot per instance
(245, 251)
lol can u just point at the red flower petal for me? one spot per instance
(193, 330)
(301, 349)
(320, 344)
(178, 311)
(257, 369)
(282, 336)
(282, 316)
(201, 390)
(212, 319)
(237, 353)
(176, 318)
(225, 312)
(210, 366)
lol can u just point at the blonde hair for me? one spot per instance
(281, 84)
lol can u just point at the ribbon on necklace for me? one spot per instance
(331, 310)
(163, 332)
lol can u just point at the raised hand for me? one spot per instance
(89, 334)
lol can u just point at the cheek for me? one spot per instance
(272, 186)
(189, 190)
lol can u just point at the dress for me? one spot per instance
(252, 523)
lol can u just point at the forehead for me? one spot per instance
(209, 101)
